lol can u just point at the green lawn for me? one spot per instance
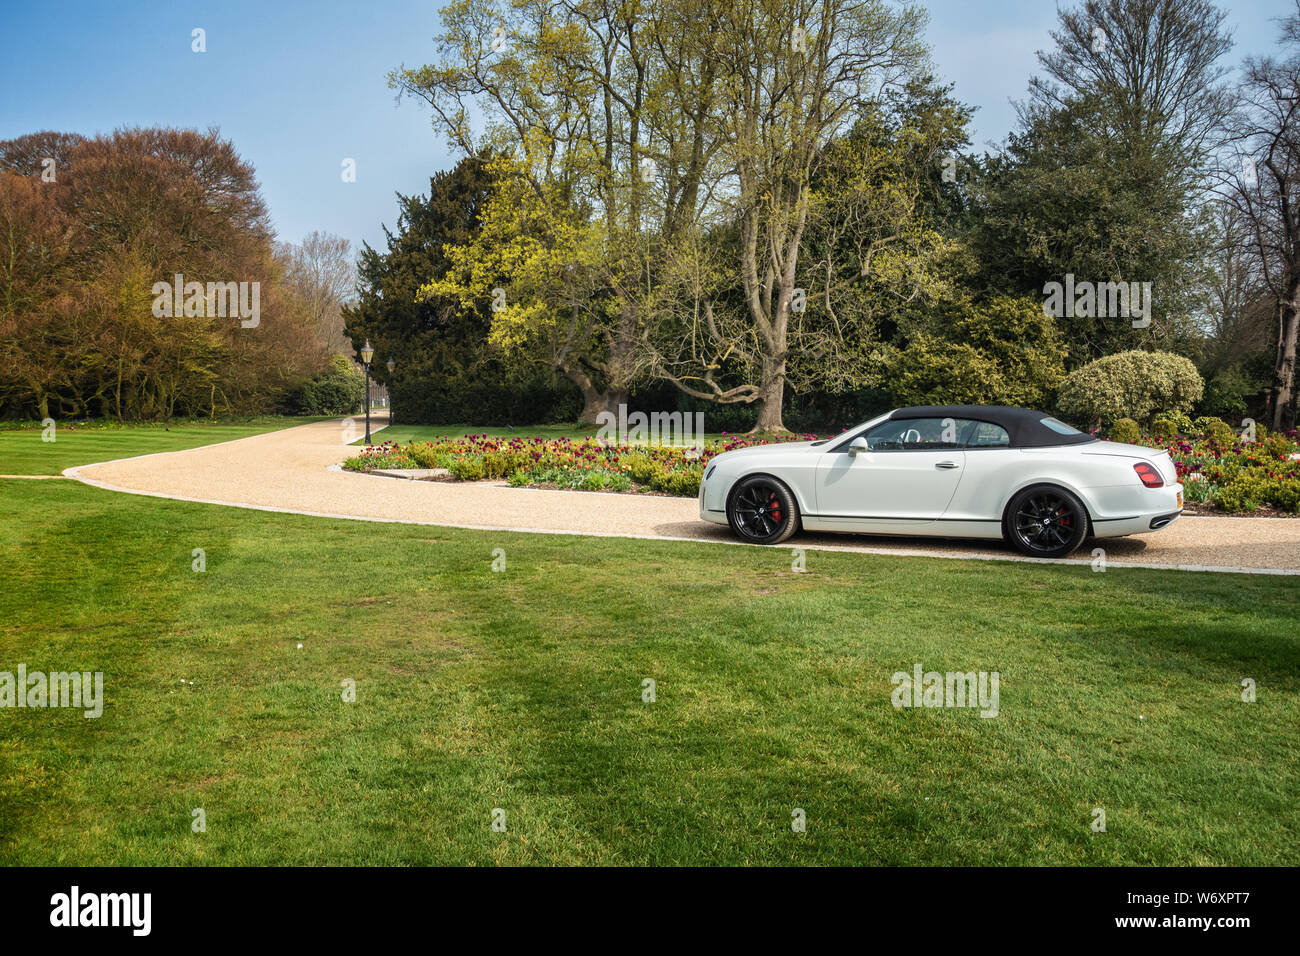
(23, 452)
(522, 690)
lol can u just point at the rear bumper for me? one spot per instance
(1162, 521)
(1136, 524)
(1119, 510)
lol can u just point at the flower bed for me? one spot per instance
(584, 464)
(1228, 474)
(374, 457)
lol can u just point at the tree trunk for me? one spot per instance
(772, 338)
(594, 401)
(1284, 370)
(771, 400)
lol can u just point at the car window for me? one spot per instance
(915, 434)
(986, 435)
(925, 434)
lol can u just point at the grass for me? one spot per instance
(522, 690)
(24, 452)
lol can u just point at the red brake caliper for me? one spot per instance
(1063, 517)
(775, 508)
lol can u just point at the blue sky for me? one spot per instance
(299, 86)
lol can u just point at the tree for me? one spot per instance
(792, 79)
(1154, 67)
(1238, 351)
(548, 277)
(41, 155)
(1265, 191)
(83, 328)
(636, 136)
(877, 244)
(878, 248)
(1106, 177)
(584, 103)
(38, 352)
(320, 271)
(445, 370)
(999, 351)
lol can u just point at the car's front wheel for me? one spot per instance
(1045, 522)
(762, 510)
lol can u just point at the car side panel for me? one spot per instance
(1106, 484)
(983, 492)
(892, 485)
(797, 469)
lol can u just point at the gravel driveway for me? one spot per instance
(290, 470)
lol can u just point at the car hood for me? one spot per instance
(757, 450)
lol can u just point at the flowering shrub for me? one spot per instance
(582, 463)
(1134, 384)
(1126, 430)
(374, 457)
(1169, 425)
(598, 479)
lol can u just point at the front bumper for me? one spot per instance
(713, 495)
(717, 517)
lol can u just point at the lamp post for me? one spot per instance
(367, 353)
(391, 365)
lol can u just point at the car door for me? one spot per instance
(908, 474)
(992, 467)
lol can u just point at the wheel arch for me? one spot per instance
(793, 487)
(1052, 482)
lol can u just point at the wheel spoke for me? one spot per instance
(1044, 522)
(759, 511)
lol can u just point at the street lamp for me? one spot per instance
(391, 365)
(367, 353)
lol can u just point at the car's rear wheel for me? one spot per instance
(762, 510)
(1045, 521)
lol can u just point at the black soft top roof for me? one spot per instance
(1024, 425)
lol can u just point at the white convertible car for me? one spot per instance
(970, 471)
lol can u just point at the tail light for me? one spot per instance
(1150, 477)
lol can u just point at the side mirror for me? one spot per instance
(857, 447)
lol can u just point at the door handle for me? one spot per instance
(946, 464)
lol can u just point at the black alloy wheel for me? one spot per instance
(762, 510)
(1045, 522)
